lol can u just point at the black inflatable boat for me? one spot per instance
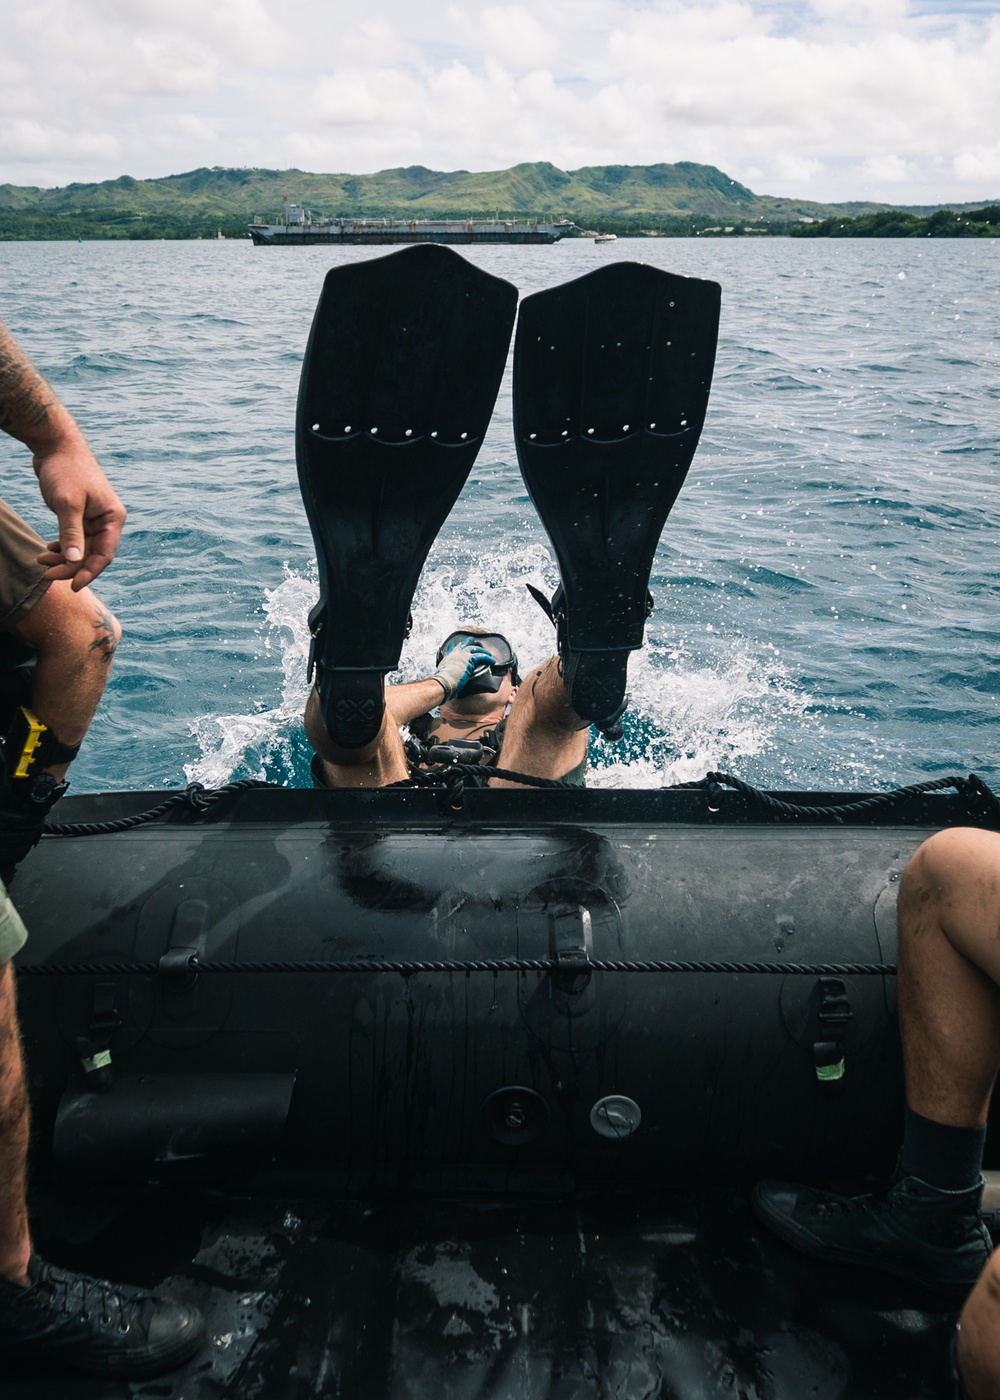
(531, 991)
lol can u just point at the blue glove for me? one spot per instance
(459, 666)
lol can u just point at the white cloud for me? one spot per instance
(980, 165)
(796, 172)
(509, 34)
(888, 169)
(880, 14)
(243, 28)
(171, 67)
(28, 140)
(814, 98)
(375, 44)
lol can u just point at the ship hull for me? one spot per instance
(299, 238)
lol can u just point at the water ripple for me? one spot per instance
(826, 591)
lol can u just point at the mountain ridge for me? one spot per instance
(671, 198)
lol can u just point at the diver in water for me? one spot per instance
(926, 1227)
(611, 378)
(483, 703)
(45, 604)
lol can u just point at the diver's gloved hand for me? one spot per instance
(457, 667)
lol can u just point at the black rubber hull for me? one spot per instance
(363, 1080)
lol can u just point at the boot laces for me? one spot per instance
(78, 1295)
(854, 1205)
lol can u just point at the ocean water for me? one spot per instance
(827, 588)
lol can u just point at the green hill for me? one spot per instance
(680, 198)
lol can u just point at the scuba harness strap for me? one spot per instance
(421, 748)
(28, 748)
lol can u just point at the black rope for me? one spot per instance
(973, 788)
(196, 797)
(452, 779)
(408, 966)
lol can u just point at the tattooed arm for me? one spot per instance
(72, 484)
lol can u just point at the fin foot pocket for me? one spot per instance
(352, 704)
(595, 683)
(595, 680)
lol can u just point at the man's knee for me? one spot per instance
(979, 1335)
(951, 860)
(75, 624)
(377, 764)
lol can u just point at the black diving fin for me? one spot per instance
(400, 376)
(611, 380)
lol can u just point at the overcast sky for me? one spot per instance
(896, 100)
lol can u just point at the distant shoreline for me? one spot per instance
(680, 200)
(892, 225)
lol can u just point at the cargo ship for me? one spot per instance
(298, 227)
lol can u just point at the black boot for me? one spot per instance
(932, 1237)
(24, 805)
(107, 1329)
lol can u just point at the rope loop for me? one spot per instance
(979, 795)
(196, 797)
(454, 786)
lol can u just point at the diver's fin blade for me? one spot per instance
(611, 381)
(400, 376)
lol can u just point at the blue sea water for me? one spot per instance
(827, 586)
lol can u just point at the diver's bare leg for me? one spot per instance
(545, 737)
(76, 637)
(381, 762)
(949, 967)
(15, 1241)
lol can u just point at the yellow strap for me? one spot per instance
(826, 1073)
(34, 738)
(98, 1061)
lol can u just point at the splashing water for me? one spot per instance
(688, 713)
(687, 717)
(268, 744)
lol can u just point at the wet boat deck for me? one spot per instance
(684, 1298)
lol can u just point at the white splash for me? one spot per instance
(699, 715)
(248, 741)
(691, 712)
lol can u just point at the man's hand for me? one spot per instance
(73, 486)
(87, 507)
(459, 665)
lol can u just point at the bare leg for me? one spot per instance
(76, 637)
(926, 1226)
(978, 1343)
(545, 737)
(949, 967)
(381, 762)
(15, 1242)
(949, 1004)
